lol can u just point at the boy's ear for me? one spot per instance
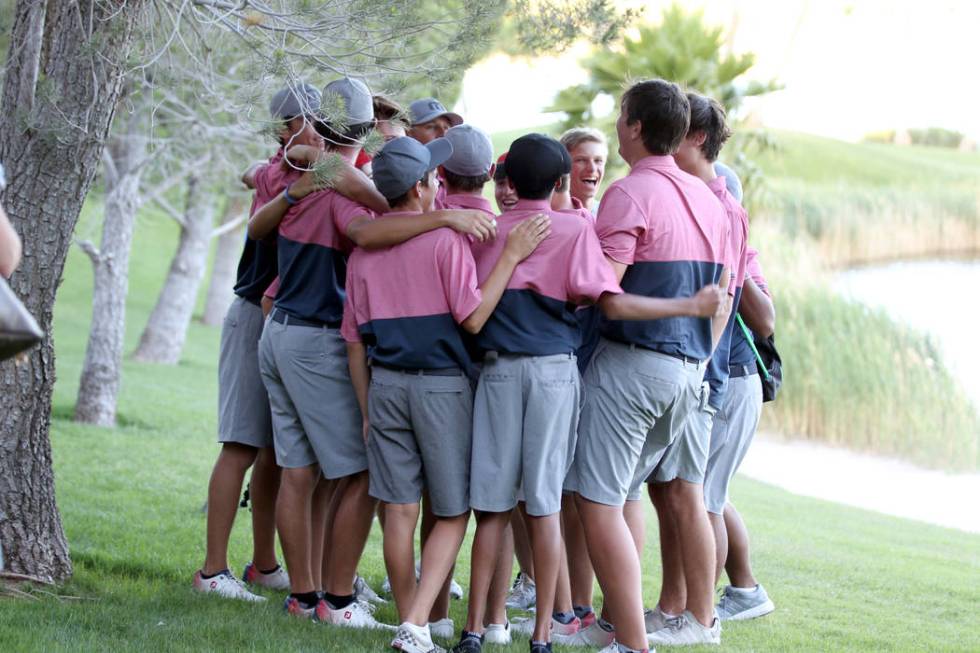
(698, 138)
(493, 170)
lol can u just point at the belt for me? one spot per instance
(737, 371)
(442, 371)
(288, 320)
(680, 357)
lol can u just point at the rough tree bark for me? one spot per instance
(165, 332)
(98, 389)
(51, 139)
(225, 265)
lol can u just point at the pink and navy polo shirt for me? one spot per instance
(464, 201)
(672, 232)
(536, 315)
(717, 372)
(741, 352)
(257, 266)
(406, 302)
(313, 250)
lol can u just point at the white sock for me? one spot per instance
(745, 590)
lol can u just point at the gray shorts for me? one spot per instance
(731, 435)
(243, 403)
(524, 421)
(315, 417)
(421, 434)
(636, 402)
(687, 455)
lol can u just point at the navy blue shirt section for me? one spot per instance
(717, 372)
(531, 324)
(257, 268)
(429, 342)
(683, 336)
(311, 281)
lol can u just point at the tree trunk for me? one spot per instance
(165, 332)
(225, 266)
(51, 139)
(98, 389)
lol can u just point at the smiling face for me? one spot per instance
(300, 131)
(505, 194)
(588, 166)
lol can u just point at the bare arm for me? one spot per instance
(10, 246)
(521, 241)
(720, 319)
(386, 232)
(248, 177)
(360, 377)
(267, 219)
(757, 309)
(627, 306)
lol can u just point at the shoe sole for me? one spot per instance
(760, 610)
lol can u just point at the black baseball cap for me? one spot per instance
(535, 162)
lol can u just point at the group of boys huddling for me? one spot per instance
(394, 341)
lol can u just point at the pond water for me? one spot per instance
(938, 297)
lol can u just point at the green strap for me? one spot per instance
(748, 336)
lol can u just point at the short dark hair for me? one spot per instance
(349, 136)
(566, 183)
(386, 108)
(708, 116)
(401, 199)
(663, 111)
(500, 172)
(465, 182)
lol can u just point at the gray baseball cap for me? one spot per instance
(403, 161)
(426, 109)
(354, 98)
(299, 99)
(472, 151)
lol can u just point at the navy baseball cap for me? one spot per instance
(536, 162)
(299, 99)
(472, 151)
(427, 109)
(404, 161)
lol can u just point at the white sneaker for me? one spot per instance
(365, 594)
(414, 639)
(226, 586)
(355, 615)
(613, 648)
(277, 580)
(522, 594)
(386, 586)
(685, 630)
(444, 628)
(455, 589)
(497, 634)
(593, 636)
(522, 626)
(655, 619)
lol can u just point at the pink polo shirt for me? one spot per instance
(405, 302)
(673, 233)
(536, 315)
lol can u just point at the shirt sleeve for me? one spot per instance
(753, 269)
(348, 325)
(345, 211)
(589, 274)
(619, 225)
(458, 271)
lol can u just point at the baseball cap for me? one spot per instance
(472, 151)
(295, 100)
(354, 98)
(535, 162)
(403, 161)
(732, 182)
(500, 173)
(426, 109)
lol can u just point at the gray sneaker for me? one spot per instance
(522, 594)
(737, 604)
(655, 619)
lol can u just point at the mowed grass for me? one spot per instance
(131, 501)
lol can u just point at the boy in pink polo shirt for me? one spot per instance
(666, 235)
(526, 406)
(404, 307)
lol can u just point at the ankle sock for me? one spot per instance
(745, 590)
(210, 576)
(466, 634)
(563, 617)
(627, 649)
(581, 611)
(266, 572)
(545, 645)
(338, 601)
(306, 599)
(605, 625)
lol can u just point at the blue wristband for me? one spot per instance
(290, 200)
